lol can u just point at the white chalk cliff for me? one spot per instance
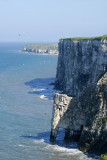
(82, 109)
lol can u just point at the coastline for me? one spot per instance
(41, 48)
(32, 53)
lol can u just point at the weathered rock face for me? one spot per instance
(60, 115)
(84, 118)
(94, 135)
(80, 64)
(67, 114)
(82, 73)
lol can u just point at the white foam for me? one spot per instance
(62, 149)
(20, 145)
(39, 141)
(69, 151)
(43, 97)
(38, 89)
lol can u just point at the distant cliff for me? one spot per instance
(41, 48)
(82, 109)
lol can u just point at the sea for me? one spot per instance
(26, 101)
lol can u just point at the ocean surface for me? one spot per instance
(26, 100)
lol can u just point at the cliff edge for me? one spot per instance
(82, 109)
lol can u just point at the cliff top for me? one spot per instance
(86, 38)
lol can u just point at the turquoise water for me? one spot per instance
(26, 107)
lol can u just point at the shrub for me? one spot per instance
(104, 157)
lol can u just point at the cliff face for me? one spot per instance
(81, 73)
(80, 64)
(94, 135)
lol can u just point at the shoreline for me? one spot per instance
(33, 53)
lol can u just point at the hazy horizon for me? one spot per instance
(47, 21)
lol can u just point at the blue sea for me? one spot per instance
(26, 101)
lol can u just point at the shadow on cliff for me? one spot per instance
(44, 87)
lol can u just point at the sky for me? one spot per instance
(50, 20)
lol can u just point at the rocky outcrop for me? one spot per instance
(82, 74)
(60, 114)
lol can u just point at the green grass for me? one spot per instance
(86, 38)
(104, 157)
(42, 46)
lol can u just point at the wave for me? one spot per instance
(43, 97)
(41, 86)
(59, 147)
(70, 151)
(21, 145)
(39, 141)
(35, 89)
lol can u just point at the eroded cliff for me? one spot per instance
(82, 74)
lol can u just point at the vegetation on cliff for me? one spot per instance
(86, 38)
(104, 157)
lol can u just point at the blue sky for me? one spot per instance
(50, 20)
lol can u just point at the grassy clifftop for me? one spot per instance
(85, 38)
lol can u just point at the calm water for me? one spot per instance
(26, 107)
